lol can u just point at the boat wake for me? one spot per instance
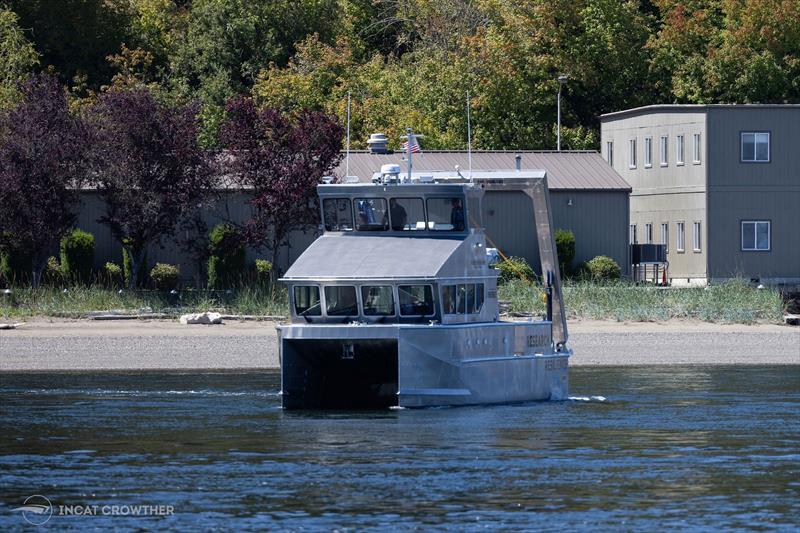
(587, 399)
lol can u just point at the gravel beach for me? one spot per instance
(84, 345)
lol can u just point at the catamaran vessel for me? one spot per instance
(395, 304)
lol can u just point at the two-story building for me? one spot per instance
(718, 184)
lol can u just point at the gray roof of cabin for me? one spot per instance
(565, 170)
(370, 257)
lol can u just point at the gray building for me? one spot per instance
(719, 184)
(587, 197)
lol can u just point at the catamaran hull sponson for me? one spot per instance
(373, 366)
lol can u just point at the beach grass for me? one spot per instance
(734, 301)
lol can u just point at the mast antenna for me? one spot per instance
(469, 139)
(347, 156)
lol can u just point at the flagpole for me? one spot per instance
(469, 139)
(409, 140)
(347, 157)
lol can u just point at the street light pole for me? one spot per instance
(562, 80)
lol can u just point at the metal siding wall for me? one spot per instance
(598, 219)
(756, 191)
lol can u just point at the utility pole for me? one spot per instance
(562, 80)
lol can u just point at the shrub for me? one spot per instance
(602, 268)
(565, 247)
(226, 264)
(164, 276)
(15, 266)
(77, 255)
(52, 272)
(263, 270)
(515, 268)
(113, 274)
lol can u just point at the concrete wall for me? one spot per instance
(599, 220)
(668, 193)
(754, 191)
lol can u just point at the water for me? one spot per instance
(686, 447)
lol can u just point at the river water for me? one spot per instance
(637, 448)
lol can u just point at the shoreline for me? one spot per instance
(64, 345)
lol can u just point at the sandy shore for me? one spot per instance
(82, 345)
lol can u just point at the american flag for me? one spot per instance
(415, 149)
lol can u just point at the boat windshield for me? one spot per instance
(408, 214)
(306, 300)
(340, 300)
(371, 214)
(415, 300)
(338, 213)
(446, 214)
(377, 300)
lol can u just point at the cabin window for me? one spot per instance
(415, 300)
(338, 213)
(340, 300)
(378, 300)
(306, 300)
(407, 214)
(462, 298)
(446, 214)
(371, 214)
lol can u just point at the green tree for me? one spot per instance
(17, 57)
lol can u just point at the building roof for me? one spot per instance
(677, 108)
(353, 256)
(565, 170)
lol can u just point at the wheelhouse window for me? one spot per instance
(340, 300)
(446, 214)
(306, 300)
(755, 147)
(680, 149)
(338, 214)
(664, 150)
(756, 235)
(378, 300)
(415, 300)
(464, 298)
(648, 152)
(407, 214)
(371, 214)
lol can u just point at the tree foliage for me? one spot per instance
(42, 163)
(148, 166)
(17, 57)
(281, 158)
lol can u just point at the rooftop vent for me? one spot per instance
(518, 161)
(378, 143)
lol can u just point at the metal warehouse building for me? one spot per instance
(587, 197)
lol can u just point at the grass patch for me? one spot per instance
(79, 300)
(731, 302)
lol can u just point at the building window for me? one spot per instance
(696, 237)
(755, 147)
(680, 236)
(648, 152)
(610, 153)
(665, 235)
(756, 235)
(632, 234)
(679, 149)
(632, 154)
(664, 151)
(648, 234)
(696, 149)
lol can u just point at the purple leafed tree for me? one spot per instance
(281, 159)
(149, 168)
(42, 166)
